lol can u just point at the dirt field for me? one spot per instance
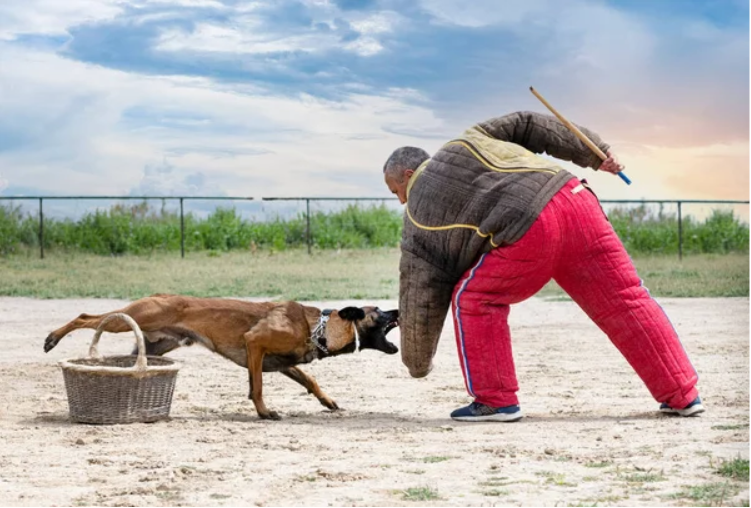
(592, 435)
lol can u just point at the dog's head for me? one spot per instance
(373, 325)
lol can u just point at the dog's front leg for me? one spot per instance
(255, 371)
(297, 374)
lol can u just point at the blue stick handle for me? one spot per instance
(624, 177)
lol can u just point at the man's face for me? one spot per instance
(399, 187)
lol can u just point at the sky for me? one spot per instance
(309, 97)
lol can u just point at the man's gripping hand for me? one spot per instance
(611, 164)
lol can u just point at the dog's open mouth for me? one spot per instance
(391, 325)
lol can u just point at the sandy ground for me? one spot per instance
(592, 435)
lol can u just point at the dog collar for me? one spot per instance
(318, 337)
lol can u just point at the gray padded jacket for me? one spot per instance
(479, 191)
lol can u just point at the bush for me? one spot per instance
(140, 229)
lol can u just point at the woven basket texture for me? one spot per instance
(119, 389)
(109, 398)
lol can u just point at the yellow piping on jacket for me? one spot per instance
(412, 180)
(482, 159)
(451, 226)
(488, 165)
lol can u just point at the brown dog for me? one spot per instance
(263, 337)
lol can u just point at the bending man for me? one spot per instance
(487, 224)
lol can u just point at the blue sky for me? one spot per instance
(309, 97)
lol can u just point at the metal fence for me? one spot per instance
(181, 202)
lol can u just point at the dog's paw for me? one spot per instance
(271, 415)
(329, 404)
(50, 342)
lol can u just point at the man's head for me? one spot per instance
(399, 169)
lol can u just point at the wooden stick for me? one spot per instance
(579, 134)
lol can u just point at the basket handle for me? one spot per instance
(141, 361)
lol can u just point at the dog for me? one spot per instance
(260, 336)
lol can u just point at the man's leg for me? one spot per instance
(481, 299)
(596, 271)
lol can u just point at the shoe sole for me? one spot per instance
(497, 417)
(691, 411)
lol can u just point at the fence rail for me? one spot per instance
(181, 200)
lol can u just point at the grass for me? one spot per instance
(433, 459)
(420, 494)
(644, 477)
(357, 274)
(603, 463)
(553, 478)
(701, 275)
(730, 427)
(708, 494)
(293, 274)
(495, 492)
(737, 469)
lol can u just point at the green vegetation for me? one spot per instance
(133, 251)
(737, 469)
(644, 232)
(644, 477)
(326, 275)
(434, 459)
(603, 463)
(700, 275)
(420, 494)
(730, 427)
(709, 494)
(495, 492)
(140, 229)
(293, 274)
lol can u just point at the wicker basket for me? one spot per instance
(119, 389)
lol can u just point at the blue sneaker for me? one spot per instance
(477, 412)
(692, 409)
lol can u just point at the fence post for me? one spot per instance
(307, 227)
(680, 233)
(182, 230)
(41, 229)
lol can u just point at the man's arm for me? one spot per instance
(424, 300)
(545, 134)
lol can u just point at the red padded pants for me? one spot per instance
(573, 243)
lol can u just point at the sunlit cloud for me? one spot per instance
(309, 97)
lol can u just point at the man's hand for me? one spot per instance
(611, 164)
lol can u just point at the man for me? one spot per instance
(487, 224)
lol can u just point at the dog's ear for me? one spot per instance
(352, 313)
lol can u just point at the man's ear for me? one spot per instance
(408, 173)
(351, 313)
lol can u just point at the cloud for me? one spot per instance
(322, 28)
(480, 13)
(106, 128)
(247, 39)
(53, 17)
(290, 97)
(162, 179)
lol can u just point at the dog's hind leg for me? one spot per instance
(296, 374)
(147, 312)
(84, 321)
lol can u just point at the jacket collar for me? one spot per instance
(417, 173)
